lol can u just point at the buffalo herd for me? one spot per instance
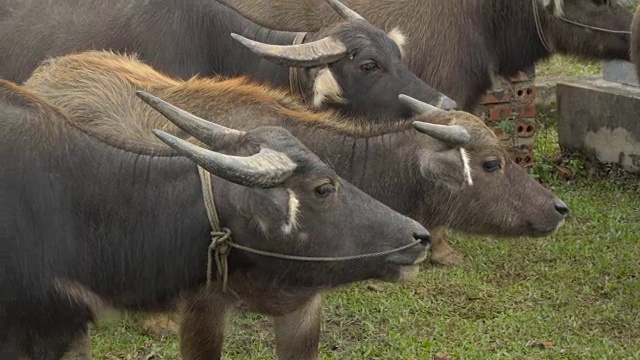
(189, 158)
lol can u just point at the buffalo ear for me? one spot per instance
(444, 168)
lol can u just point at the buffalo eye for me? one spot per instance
(369, 66)
(492, 165)
(325, 189)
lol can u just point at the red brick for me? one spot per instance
(528, 93)
(523, 157)
(500, 112)
(525, 129)
(526, 111)
(494, 97)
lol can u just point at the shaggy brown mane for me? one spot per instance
(96, 89)
(41, 111)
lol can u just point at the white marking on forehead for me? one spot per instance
(398, 37)
(294, 208)
(466, 166)
(326, 87)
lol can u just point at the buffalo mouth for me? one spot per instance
(542, 230)
(403, 268)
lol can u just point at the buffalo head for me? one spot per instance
(473, 185)
(597, 29)
(286, 200)
(354, 66)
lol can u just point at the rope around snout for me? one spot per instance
(221, 241)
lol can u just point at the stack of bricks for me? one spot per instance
(509, 109)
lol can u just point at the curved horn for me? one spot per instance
(265, 169)
(419, 106)
(344, 11)
(452, 135)
(205, 131)
(311, 54)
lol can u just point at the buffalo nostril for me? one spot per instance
(561, 207)
(423, 236)
(447, 104)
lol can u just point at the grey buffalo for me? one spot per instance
(456, 46)
(99, 215)
(349, 65)
(444, 169)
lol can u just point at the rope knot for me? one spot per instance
(219, 249)
(220, 241)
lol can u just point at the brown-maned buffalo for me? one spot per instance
(447, 170)
(98, 213)
(349, 65)
(457, 45)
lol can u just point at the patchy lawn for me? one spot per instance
(559, 66)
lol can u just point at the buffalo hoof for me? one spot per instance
(442, 253)
(157, 326)
(445, 255)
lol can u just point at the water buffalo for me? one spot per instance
(457, 45)
(448, 170)
(98, 214)
(349, 65)
(635, 42)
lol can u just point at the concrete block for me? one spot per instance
(622, 72)
(546, 92)
(601, 119)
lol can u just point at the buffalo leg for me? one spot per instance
(442, 253)
(202, 326)
(298, 333)
(80, 348)
(52, 345)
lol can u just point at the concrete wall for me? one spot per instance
(600, 118)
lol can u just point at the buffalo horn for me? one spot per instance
(419, 106)
(311, 54)
(265, 169)
(205, 131)
(452, 135)
(344, 11)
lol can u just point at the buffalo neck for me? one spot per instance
(383, 166)
(234, 59)
(133, 227)
(516, 41)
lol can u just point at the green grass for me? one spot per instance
(561, 66)
(579, 288)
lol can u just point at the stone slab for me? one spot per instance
(622, 72)
(601, 119)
